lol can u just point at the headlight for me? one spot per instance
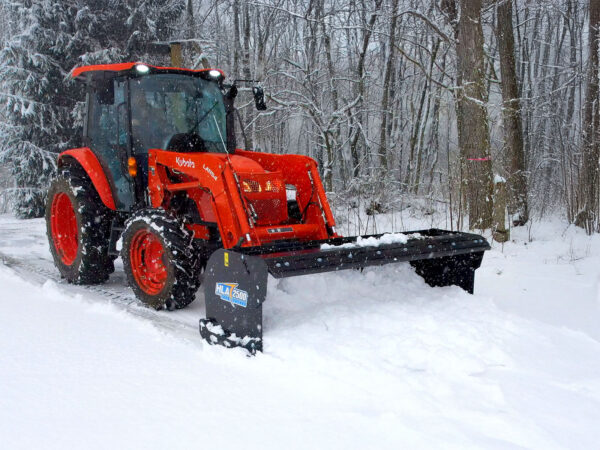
(142, 69)
(251, 186)
(273, 186)
(214, 74)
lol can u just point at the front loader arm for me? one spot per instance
(210, 173)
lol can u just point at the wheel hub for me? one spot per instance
(147, 264)
(63, 224)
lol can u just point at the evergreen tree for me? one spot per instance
(39, 105)
(116, 31)
(34, 101)
(150, 21)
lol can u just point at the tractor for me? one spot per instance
(160, 182)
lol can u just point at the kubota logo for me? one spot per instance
(182, 162)
(231, 294)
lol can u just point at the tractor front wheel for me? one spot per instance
(160, 260)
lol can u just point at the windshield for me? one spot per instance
(164, 106)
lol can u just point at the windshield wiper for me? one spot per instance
(193, 130)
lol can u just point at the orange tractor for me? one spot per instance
(161, 183)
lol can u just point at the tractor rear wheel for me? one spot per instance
(78, 228)
(160, 260)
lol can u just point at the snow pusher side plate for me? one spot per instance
(235, 287)
(235, 281)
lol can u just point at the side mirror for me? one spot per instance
(259, 98)
(233, 92)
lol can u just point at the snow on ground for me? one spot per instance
(352, 360)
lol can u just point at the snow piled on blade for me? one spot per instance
(387, 238)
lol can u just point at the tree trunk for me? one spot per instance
(247, 75)
(511, 113)
(473, 133)
(383, 150)
(360, 91)
(425, 120)
(588, 183)
(499, 231)
(236, 39)
(189, 18)
(335, 134)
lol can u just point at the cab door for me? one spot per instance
(107, 133)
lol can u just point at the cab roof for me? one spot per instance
(109, 70)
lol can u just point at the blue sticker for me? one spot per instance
(231, 294)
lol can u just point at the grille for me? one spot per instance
(266, 194)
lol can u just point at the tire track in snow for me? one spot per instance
(36, 273)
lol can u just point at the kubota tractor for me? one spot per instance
(160, 175)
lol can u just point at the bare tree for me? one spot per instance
(511, 114)
(387, 79)
(588, 184)
(247, 69)
(473, 133)
(358, 134)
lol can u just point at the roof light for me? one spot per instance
(142, 68)
(214, 73)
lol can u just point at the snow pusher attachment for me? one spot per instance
(235, 280)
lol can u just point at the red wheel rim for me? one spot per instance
(146, 257)
(63, 224)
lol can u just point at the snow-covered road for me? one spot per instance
(352, 360)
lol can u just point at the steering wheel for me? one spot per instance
(185, 142)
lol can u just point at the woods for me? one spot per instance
(587, 215)
(397, 100)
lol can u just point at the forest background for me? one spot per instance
(398, 100)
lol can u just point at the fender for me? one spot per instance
(92, 167)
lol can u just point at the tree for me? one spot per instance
(37, 100)
(588, 184)
(358, 133)
(385, 98)
(35, 104)
(473, 135)
(511, 113)
(149, 21)
(109, 31)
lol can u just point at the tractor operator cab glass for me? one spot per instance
(177, 112)
(107, 137)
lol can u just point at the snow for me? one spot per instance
(386, 238)
(352, 360)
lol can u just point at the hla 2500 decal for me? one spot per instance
(231, 294)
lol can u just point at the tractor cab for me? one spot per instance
(164, 138)
(133, 107)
